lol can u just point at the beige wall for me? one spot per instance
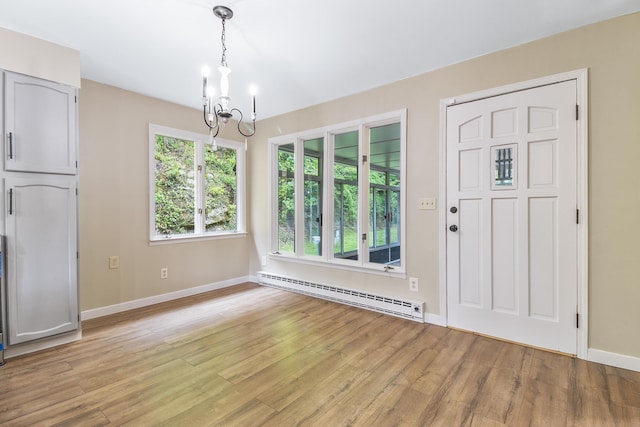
(611, 52)
(27, 55)
(114, 205)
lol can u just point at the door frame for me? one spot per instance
(582, 181)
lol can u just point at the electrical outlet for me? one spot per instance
(427, 203)
(114, 262)
(164, 273)
(413, 284)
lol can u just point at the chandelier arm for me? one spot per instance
(217, 131)
(204, 117)
(246, 135)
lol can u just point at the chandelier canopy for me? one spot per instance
(217, 113)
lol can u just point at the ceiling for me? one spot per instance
(298, 52)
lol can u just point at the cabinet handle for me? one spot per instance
(11, 145)
(11, 201)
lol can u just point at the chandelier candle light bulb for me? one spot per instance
(253, 89)
(205, 76)
(213, 112)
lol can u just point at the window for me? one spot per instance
(338, 194)
(505, 160)
(313, 161)
(345, 195)
(196, 190)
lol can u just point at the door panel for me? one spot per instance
(471, 253)
(49, 147)
(543, 253)
(504, 255)
(42, 298)
(511, 174)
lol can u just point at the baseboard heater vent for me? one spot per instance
(408, 309)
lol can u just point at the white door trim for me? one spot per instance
(580, 76)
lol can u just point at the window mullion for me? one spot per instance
(199, 190)
(327, 199)
(299, 196)
(363, 191)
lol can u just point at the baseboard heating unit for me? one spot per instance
(408, 309)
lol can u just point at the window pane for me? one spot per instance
(286, 199)
(346, 239)
(378, 217)
(220, 189)
(174, 183)
(394, 232)
(504, 167)
(313, 150)
(384, 183)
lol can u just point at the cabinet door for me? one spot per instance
(40, 125)
(42, 296)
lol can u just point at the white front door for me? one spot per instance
(511, 216)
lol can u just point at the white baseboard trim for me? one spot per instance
(156, 299)
(614, 359)
(435, 319)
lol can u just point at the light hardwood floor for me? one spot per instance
(253, 356)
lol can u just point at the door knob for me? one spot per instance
(453, 228)
(453, 209)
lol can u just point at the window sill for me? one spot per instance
(191, 239)
(377, 269)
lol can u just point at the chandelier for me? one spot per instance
(218, 113)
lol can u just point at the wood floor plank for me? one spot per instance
(250, 355)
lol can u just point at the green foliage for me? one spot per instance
(174, 196)
(286, 199)
(220, 189)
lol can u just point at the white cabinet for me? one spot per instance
(42, 297)
(38, 121)
(40, 126)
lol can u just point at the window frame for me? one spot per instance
(328, 133)
(200, 141)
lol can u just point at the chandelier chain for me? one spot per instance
(223, 61)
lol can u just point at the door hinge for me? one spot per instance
(577, 111)
(577, 216)
(577, 320)
(364, 159)
(76, 191)
(75, 99)
(364, 237)
(199, 168)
